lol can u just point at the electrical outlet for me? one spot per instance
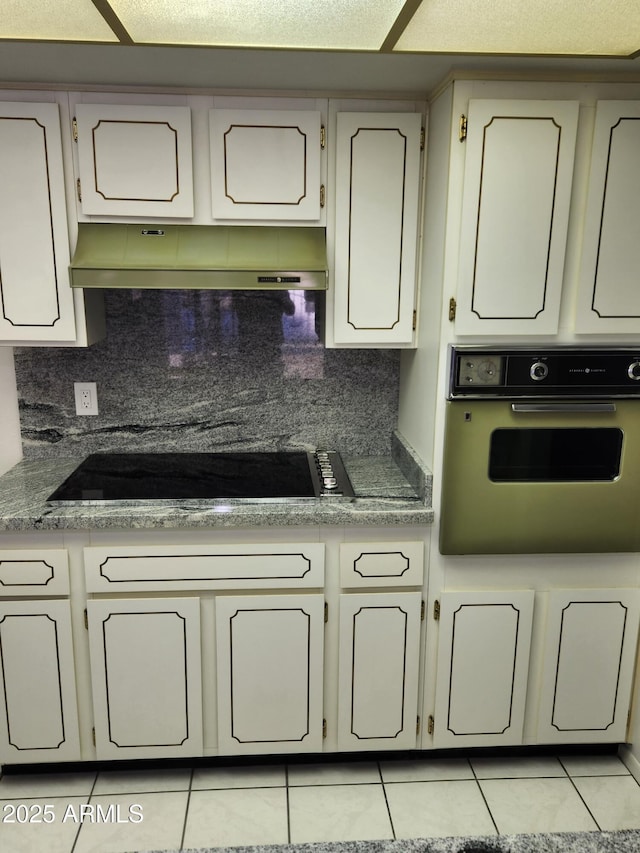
(86, 396)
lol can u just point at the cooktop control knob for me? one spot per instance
(325, 468)
(538, 371)
(633, 371)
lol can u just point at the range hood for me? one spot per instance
(221, 257)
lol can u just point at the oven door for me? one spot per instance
(526, 478)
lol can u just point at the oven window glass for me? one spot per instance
(555, 454)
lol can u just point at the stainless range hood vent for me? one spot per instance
(212, 257)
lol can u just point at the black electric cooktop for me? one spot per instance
(143, 477)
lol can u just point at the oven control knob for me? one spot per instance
(538, 371)
(633, 371)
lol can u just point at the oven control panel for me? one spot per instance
(559, 372)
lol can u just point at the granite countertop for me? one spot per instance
(626, 841)
(384, 496)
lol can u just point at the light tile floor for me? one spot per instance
(117, 811)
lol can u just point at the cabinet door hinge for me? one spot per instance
(462, 128)
(79, 190)
(326, 612)
(324, 728)
(418, 725)
(436, 610)
(74, 127)
(323, 137)
(86, 619)
(93, 736)
(415, 319)
(322, 195)
(422, 138)
(422, 610)
(430, 724)
(452, 309)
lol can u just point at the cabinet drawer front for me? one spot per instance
(40, 573)
(387, 564)
(139, 569)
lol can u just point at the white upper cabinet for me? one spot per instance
(37, 303)
(135, 160)
(377, 192)
(608, 298)
(518, 176)
(265, 164)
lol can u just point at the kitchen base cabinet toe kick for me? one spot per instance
(112, 652)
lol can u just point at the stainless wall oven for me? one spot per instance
(542, 451)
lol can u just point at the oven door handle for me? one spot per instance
(552, 408)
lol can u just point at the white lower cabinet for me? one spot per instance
(483, 663)
(146, 677)
(589, 660)
(270, 673)
(587, 641)
(379, 653)
(39, 722)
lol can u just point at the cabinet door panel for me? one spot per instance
(40, 717)
(378, 670)
(265, 164)
(377, 191)
(135, 160)
(588, 666)
(269, 652)
(483, 664)
(145, 669)
(515, 212)
(36, 299)
(608, 299)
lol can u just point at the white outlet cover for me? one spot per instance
(86, 397)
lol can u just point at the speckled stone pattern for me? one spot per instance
(383, 497)
(566, 842)
(209, 371)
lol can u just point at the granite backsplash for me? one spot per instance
(209, 370)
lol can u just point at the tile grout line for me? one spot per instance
(484, 799)
(93, 787)
(286, 787)
(575, 788)
(384, 793)
(186, 811)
